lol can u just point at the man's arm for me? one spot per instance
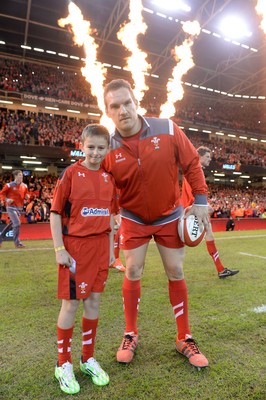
(188, 159)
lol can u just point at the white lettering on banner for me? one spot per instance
(53, 100)
(92, 212)
(30, 97)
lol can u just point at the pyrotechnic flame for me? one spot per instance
(136, 63)
(191, 27)
(93, 71)
(184, 58)
(261, 10)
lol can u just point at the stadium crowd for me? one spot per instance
(226, 201)
(20, 128)
(43, 80)
(46, 130)
(57, 82)
(236, 202)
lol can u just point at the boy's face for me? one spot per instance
(95, 149)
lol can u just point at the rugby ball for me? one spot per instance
(189, 231)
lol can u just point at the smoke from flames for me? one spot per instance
(183, 56)
(128, 35)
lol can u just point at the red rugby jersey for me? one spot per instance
(15, 192)
(85, 199)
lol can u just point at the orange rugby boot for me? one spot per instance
(118, 265)
(189, 349)
(127, 349)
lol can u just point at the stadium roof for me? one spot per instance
(236, 67)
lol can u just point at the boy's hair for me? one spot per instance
(116, 84)
(95, 130)
(202, 150)
(16, 172)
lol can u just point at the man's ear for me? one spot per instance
(80, 146)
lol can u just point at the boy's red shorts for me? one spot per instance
(133, 235)
(92, 265)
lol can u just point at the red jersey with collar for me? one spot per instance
(148, 183)
(85, 199)
(16, 192)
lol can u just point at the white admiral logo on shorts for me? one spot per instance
(95, 212)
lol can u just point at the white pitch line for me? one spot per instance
(253, 255)
(233, 237)
(240, 237)
(25, 249)
(260, 309)
(152, 242)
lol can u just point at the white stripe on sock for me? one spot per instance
(179, 313)
(87, 333)
(178, 305)
(87, 341)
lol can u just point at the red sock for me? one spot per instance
(131, 299)
(89, 328)
(213, 252)
(64, 338)
(179, 301)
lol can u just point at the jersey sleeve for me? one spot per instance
(3, 193)
(114, 205)
(61, 193)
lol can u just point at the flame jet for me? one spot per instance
(136, 63)
(183, 56)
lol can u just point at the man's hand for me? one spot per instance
(202, 214)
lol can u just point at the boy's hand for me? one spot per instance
(63, 258)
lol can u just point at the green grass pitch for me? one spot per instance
(222, 316)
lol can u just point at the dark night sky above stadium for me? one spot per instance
(237, 68)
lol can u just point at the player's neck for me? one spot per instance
(90, 166)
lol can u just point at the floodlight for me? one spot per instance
(234, 27)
